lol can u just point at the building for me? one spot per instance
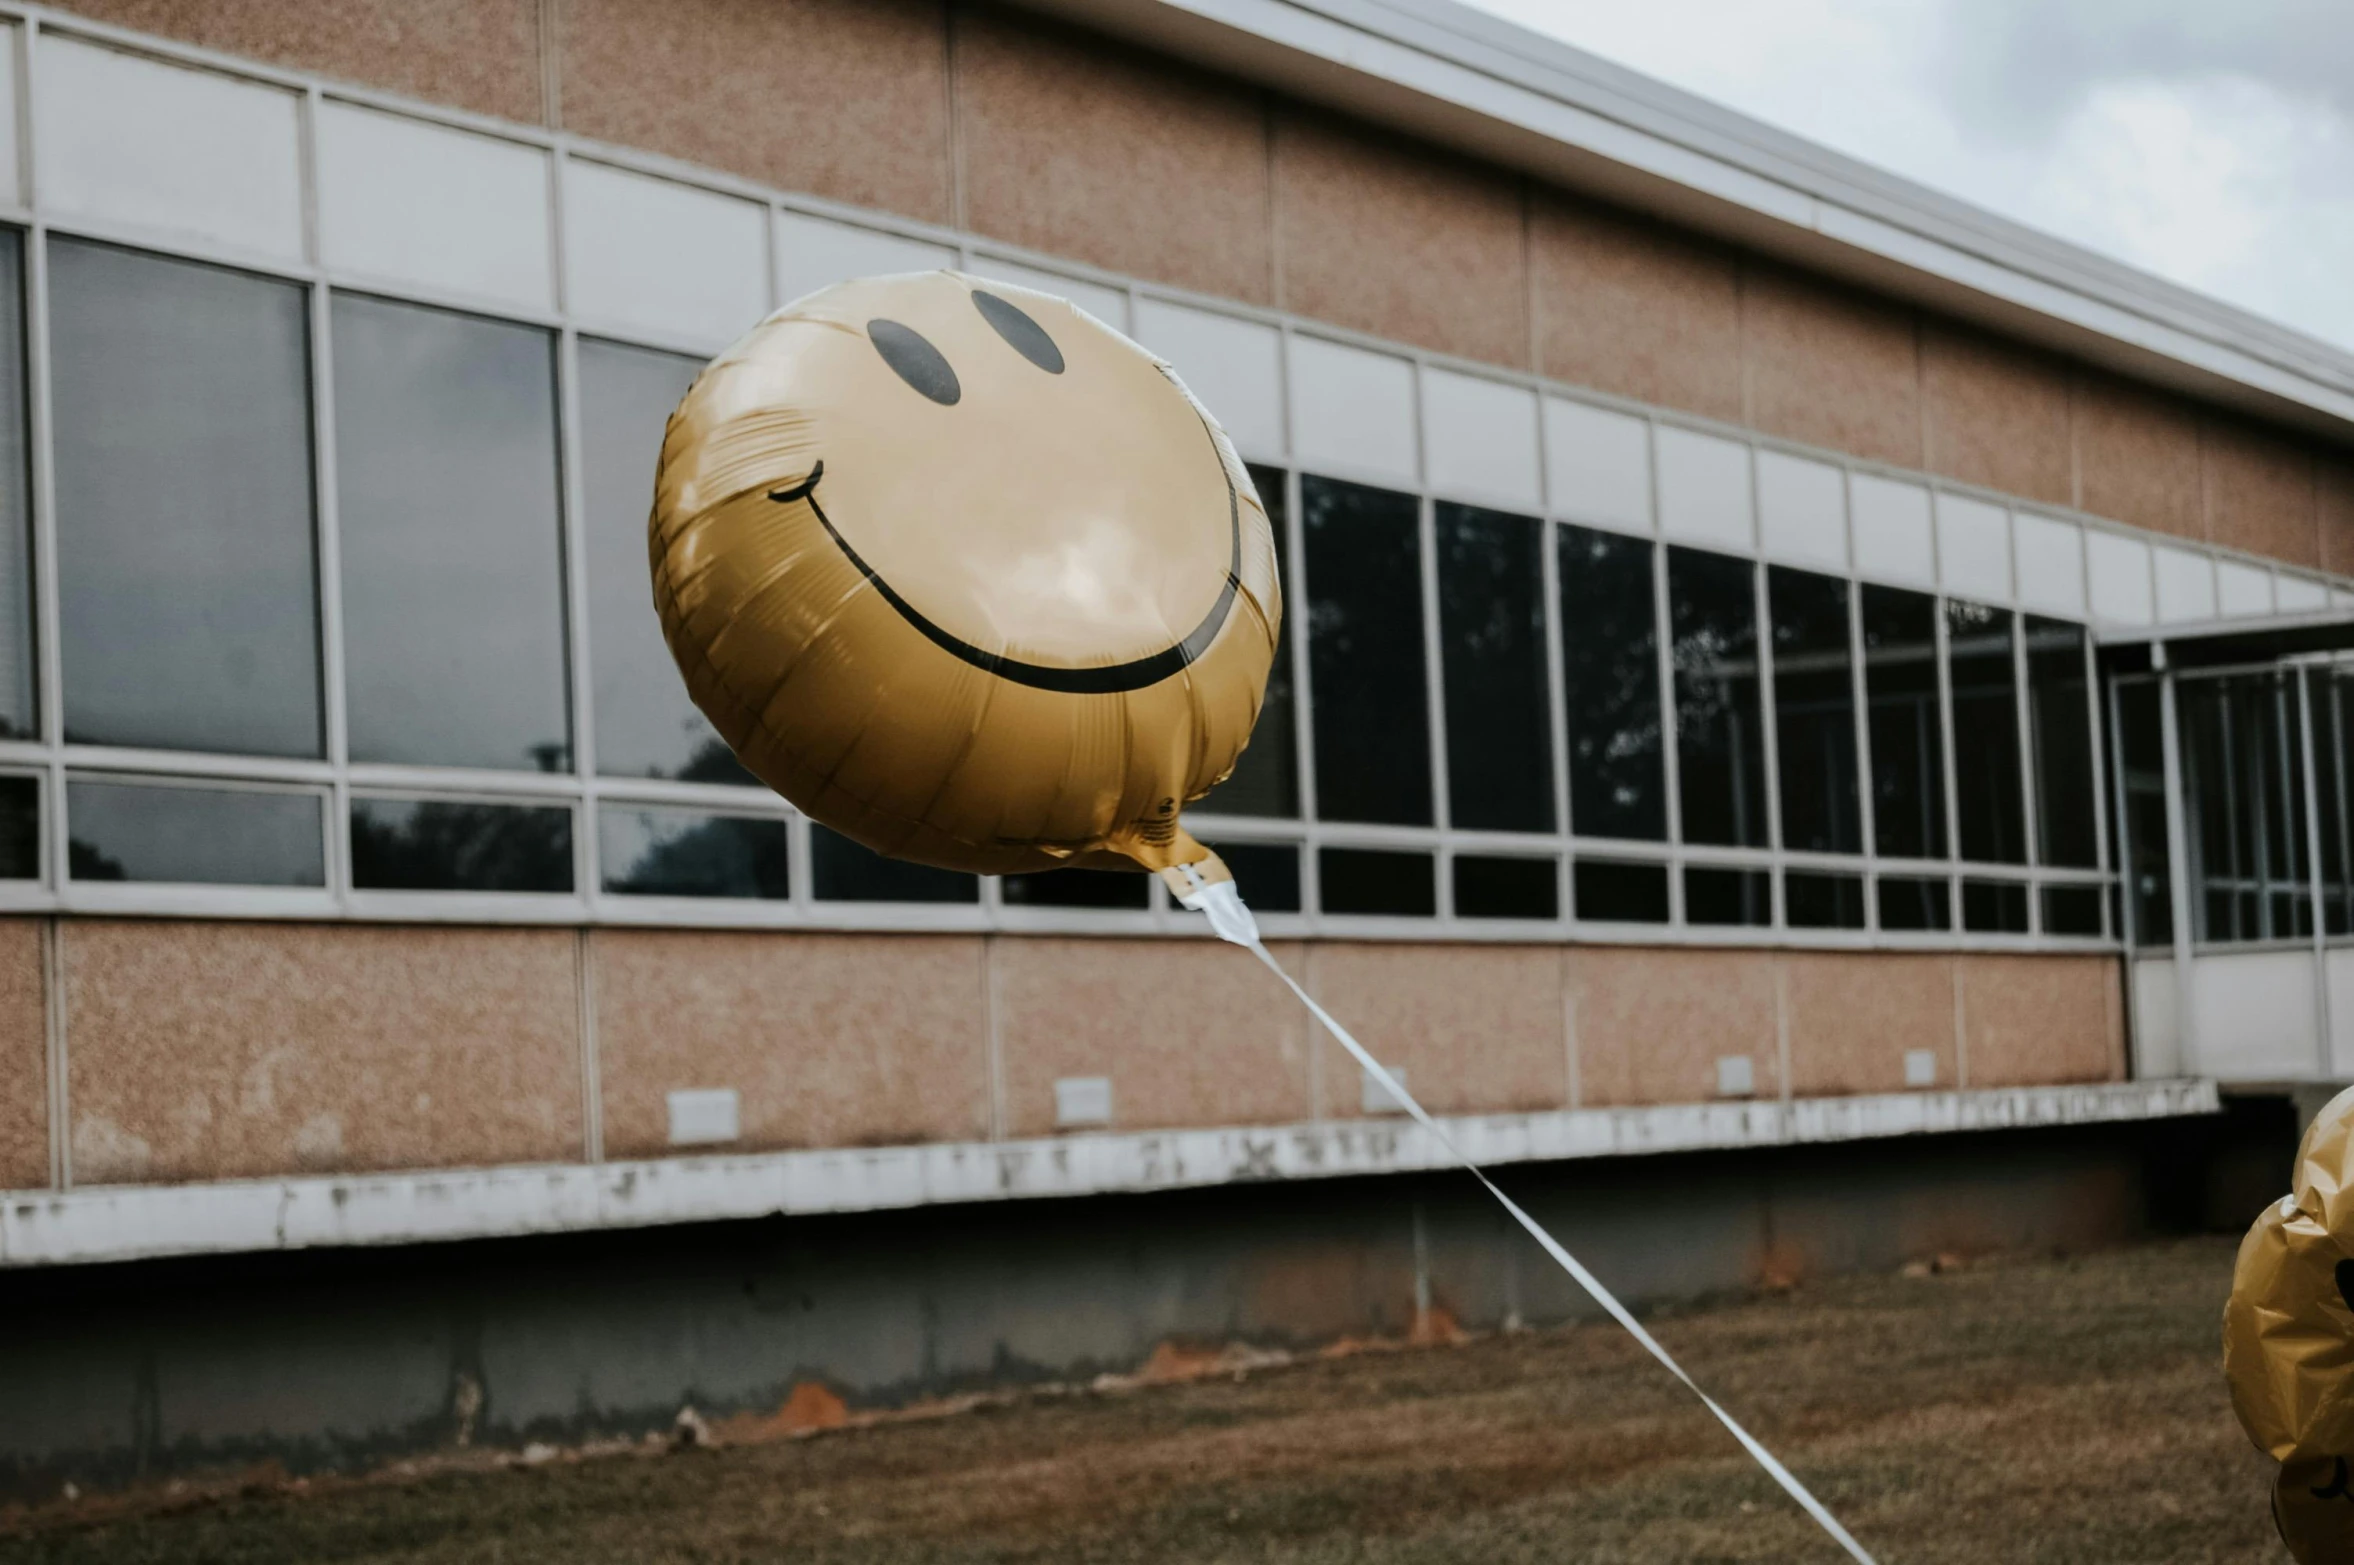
(1818, 590)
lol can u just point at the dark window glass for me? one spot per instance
(2142, 772)
(1368, 880)
(18, 707)
(846, 871)
(1266, 780)
(1727, 896)
(2060, 718)
(1610, 663)
(1994, 907)
(1267, 872)
(20, 828)
(1079, 888)
(445, 455)
(2072, 910)
(1720, 749)
(2333, 780)
(1365, 653)
(1492, 651)
(646, 726)
(186, 565)
(1609, 891)
(656, 851)
(1814, 712)
(2243, 795)
(447, 845)
(209, 836)
(1498, 887)
(1823, 901)
(1914, 904)
(1908, 743)
(1986, 715)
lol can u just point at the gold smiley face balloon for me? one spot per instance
(965, 575)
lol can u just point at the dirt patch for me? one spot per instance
(2014, 1411)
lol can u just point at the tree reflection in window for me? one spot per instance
(650, 851)
(451, 845)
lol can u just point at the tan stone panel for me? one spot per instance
(1652, 1022)
(1188, 1032)
(1087, 149)
(1997, 414)
(218, 1051)
(1478, 1028)
(2260, 492)
(2137, 455)
(828, 1040)
(1854, 1015)
(482, 55)
(1830, 365)
(839, 98)
(2032, 1020)
(1393, 238)
(24, 1058)
(1630, 306)
(2336, 476)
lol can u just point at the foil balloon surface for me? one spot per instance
(2288, 1341)
(966, 575)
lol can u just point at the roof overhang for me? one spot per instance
(1470, 81)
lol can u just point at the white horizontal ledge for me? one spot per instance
(122, 1223)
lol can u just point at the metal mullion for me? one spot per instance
(2102, 856)
(1435, 692)
(180, 246)
(1303, 701)
(718, 798)
(1556, 668)
(442, 782)
(2128, 883)
(572, 489)
(2324, 1044)
(41, 447)
(194, 765)
(1671, 772)
(1769, 722)
(1942, 636)
(2338, 780)
(1859, 694)
(334, 683)
(2178, 873)
(2030, 817)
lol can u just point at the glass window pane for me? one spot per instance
(1492, 652)
(1267, 872)
(18, 706)
(1612, 892)
(186, 575)
(208, 836)
(2142, 770)
(1365, 653)
(1497, 887)
(1986, 709)
(1367, 880)
(2244, 804)
(1080, 888)
(846, 871)
(1823, 901)
(1610, 662)
(20, 828)
(453, 621)
(1997, 907)
(656, 851)
(1908, 743)
(1720, 749)
(1814, 712)
(2060, 717)
(2072, 910)
(1266, 780)
(646, 726)
(1728, 896)
(1914, 904)
(2333, 782)
(447, 845)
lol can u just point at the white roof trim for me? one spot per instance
(1470, 80)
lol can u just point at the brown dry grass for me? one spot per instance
(2025, 1411)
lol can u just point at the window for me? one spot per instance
(2244, 801)
(1814, 712)
(1609, 891)
(646, 726)
(1368, 880)
(1610, 664)
(2059, 713)
(1497, 887)
(1994, 907)
(1908, 903)
(18, 707)
(445, 450)
(1720, 751)
(1365, 653)
(2072, 910)
(2332, 706)
(1728, 896)
(847, 871)
(651, 851)
(1266, 780)
(1908, 743)
(1077, 888)
(1268, 874)
(20, 828)
(186, 574)
(1492, 650)
(449, 845)
(207, 836)
(2142, 773)
(1985, 707)
(1823, 901)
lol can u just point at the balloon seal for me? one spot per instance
(1207, 886)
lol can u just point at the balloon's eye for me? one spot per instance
(915, 360)
(1024, 335)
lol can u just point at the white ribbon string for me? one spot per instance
(1233, 922)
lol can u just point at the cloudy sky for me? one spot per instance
(2208, 141)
